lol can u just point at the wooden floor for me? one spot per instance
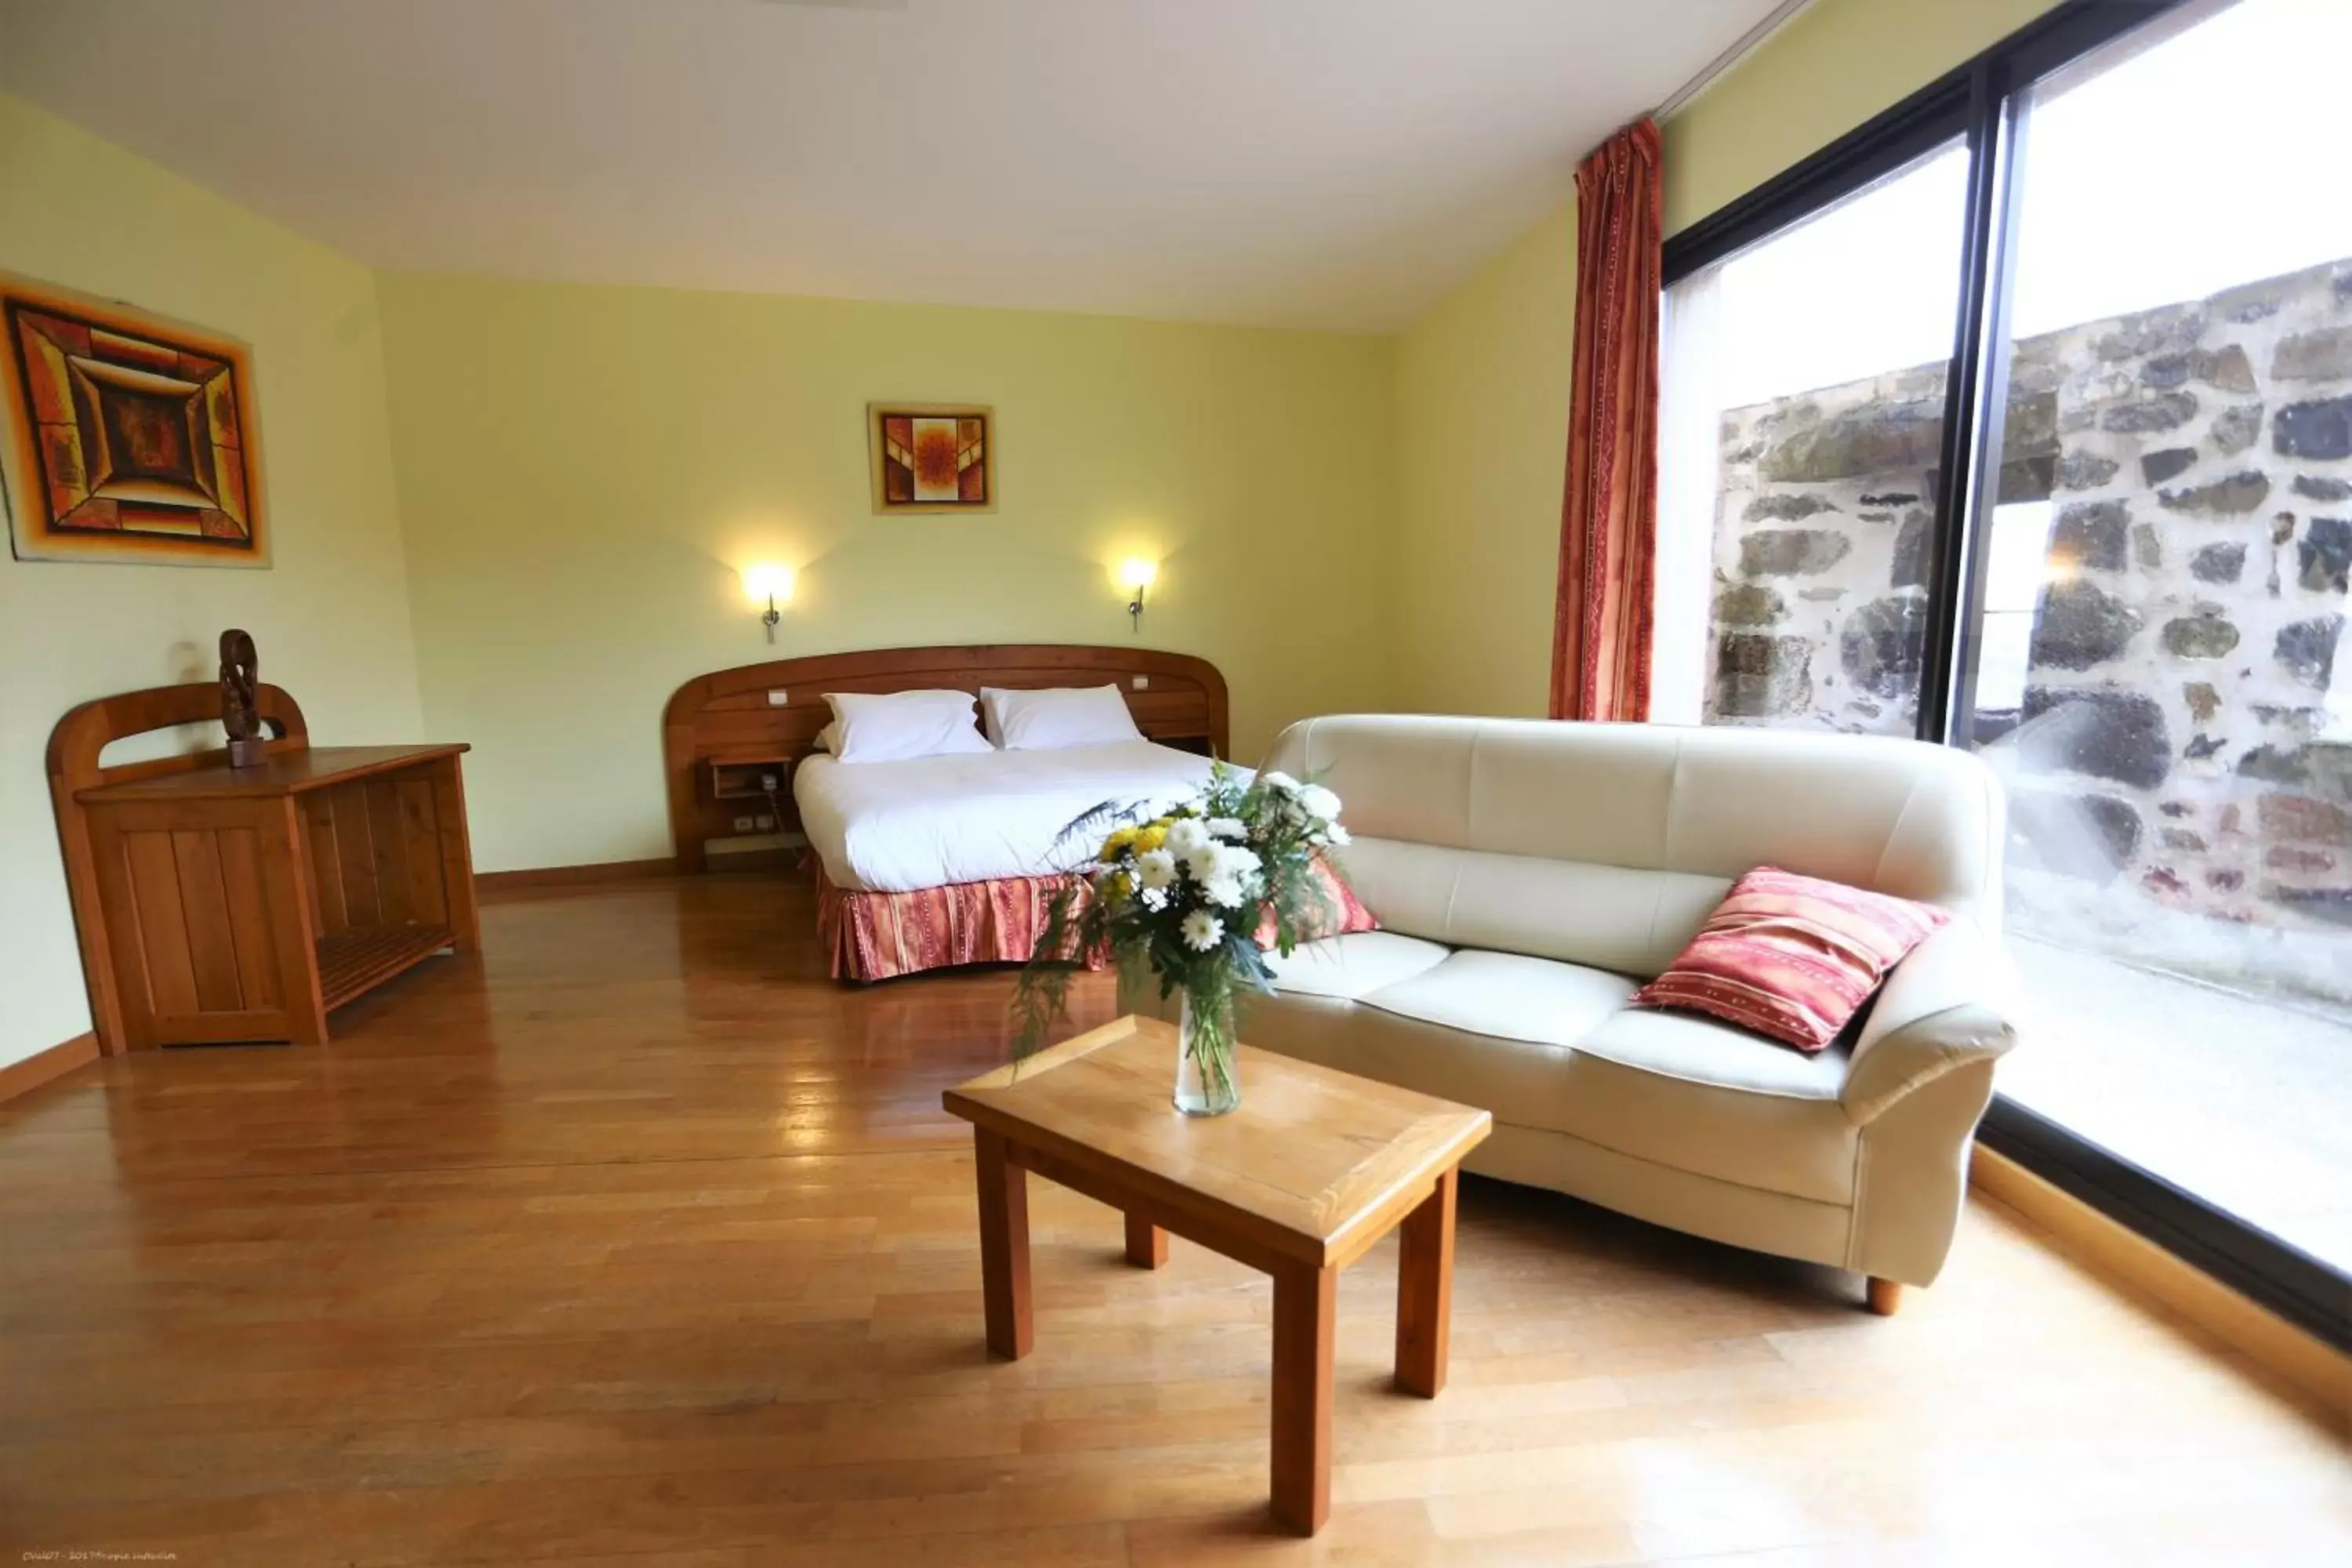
(638, 1242)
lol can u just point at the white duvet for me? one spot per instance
(892, 827)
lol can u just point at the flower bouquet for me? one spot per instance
(1192, 897)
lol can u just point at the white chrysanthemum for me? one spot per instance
(1228, 827)
(1202, 931)
(1230, 876)
(1155, 868)
(1186, 835)
(1200, 863)
(1335, 834)
(1276, 779)
(1320, 802)
(1154, 899)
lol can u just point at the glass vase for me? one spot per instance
(1207, 1080)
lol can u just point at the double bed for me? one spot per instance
(936, 860)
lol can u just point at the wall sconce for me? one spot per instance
(772, 585)
(1135, 576)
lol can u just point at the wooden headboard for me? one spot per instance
(730, 716)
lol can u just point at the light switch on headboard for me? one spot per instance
(778, 698)
(1139, 682)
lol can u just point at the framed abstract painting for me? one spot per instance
(124, 436)
(933, 456)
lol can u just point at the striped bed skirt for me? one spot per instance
(875, 936)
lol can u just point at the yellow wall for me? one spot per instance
(1482, 376)
(331, 616)
(1481, 390)
(584, 469)
(1840, 62)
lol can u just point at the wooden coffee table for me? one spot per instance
(1315, 1167)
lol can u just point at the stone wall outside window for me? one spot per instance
(2181, 780)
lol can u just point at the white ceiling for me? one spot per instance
(1296, 162)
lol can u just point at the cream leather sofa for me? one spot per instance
(1529, 876)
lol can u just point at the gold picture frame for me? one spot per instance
(126, 436)
(936, 457)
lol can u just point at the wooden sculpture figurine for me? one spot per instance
(239, 670)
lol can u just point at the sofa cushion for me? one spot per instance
(1699, 1050)
(1470, 1069)
(1605, 917)
(1507, 996)
(1894, 815)
(1554, 1045)
(1716, 1101)
(1609, 844)
(1348, 966)
(1676, 1091)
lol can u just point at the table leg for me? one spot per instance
(1304, 1299)
(1004, 1245)
(1146, 1244)
(1426, 1291)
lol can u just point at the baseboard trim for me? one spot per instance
(2300, 1362)
(41, 1067)
(776, 858)
(588, 876)
(539, 878)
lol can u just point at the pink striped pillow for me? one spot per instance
(1338, 913)
(1792, 957)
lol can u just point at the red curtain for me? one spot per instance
(1609, 516)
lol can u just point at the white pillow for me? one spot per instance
(829, 737)
(1058, 717)
(892, 726)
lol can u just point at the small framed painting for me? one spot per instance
(128, 436)
(933, 456)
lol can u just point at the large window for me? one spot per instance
(1807, 403)
(2022, 420)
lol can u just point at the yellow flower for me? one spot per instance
(1134, 840)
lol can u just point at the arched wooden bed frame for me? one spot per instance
(764, 718)
(728, 715)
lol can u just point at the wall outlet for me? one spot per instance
(1139, 682)
(742, 824)
(779, 699)
(765, 823)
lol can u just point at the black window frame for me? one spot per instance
(1979, 101)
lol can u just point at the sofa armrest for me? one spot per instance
(1952, 1000)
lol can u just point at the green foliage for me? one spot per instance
(1183, 895)
(1043, 997)
(1091, 822)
